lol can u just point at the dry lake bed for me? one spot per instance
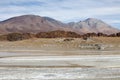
(77, 67)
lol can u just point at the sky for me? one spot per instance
(64, 10)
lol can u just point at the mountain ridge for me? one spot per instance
(94, 25)
(35, 24)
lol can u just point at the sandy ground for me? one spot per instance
(57, 46)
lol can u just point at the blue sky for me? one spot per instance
(64, 10)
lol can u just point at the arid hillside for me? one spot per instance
(29, 24)
(91, 25)
(36, 24)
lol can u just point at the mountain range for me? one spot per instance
(36, 24)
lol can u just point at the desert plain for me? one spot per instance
(60, 59)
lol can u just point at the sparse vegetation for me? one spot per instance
(53, 34)
(14, 37)
(68, 39)
(57, 34)
(3, 37)
(18, 36)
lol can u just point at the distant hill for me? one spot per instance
(29, 24)
(93, 25)
(36, 24)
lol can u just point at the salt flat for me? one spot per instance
(95, 67)
(59, 73)
(63, 61)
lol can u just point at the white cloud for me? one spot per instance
(64, 10)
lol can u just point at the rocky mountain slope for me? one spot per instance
(36, 24)
(29, 24)
(93, 25)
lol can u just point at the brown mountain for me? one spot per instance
(93, 25)
(30, 24)
(36, 24)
